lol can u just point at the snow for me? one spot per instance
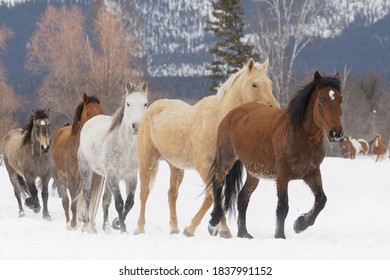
(354, 225)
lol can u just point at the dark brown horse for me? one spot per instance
(64, 152)
(26, 158)
(282, 144)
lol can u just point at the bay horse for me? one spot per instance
(378, 147)
(64, 153)
(26, 157)
(185, 137)
(107, 154)
(282, 144)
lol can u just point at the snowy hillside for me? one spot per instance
(175, 43)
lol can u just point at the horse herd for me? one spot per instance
(241, 126)
(351, 147)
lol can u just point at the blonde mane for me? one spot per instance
(232, 79)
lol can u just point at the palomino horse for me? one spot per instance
(282, 144)
(26, 158)
(64, 153)
(107, 152)
(185, 137)
(378, 147)
(351, 147)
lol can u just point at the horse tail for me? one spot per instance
(233, 185)
(23, 186)
(96, 193)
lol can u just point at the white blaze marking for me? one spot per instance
(331, 95)
(43, 122)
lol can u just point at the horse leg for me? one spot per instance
(148, 166)
(282, 208)
(73, 188)
(85, 185)
(13, 176)
(119, 223)
(314, 181)
(131, 186)
(65, 201)
(107, 197)
(243, 201)
(33, 201)
(45, 196)
(176, 179)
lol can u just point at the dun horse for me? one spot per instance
(26, 158)
(282, 144)
(64, 152)
(107, 152)
(185, 137)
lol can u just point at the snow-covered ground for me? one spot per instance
(355, 223)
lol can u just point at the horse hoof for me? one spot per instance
(88, 230)
(115, 224)
(213, 230)
(22, 214)
(174, 231)
(47, 217)
(37, 209)
(245, 235)
(225, 234)
(187, 233)
(139, 231)
(300, 224)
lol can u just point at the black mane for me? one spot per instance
(79, 110)
(298, 104)
(27, 129)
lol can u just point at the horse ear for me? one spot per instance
(129, 86)
(144, 87)
(317, 78)
(337, 76)
(85, 96)
(265, 64)
(251, 64)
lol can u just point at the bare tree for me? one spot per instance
(59, 49)
(281, 28)
(9, 101)
(113, 59)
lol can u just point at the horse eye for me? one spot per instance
(146, 105)
(321, 101)
(127, 104)
(254, 85)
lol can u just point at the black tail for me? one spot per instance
(233, 185)
(22, 183)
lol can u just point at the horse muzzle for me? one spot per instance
(45, 148)
(134, 128)
(335, 136)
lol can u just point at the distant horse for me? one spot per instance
(185, 137)
(107, 152)
(378, 147)
(64, 153)
(26, 158)
(282, 144)
(351, 147)
(346, 148)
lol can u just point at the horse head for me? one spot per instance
(136, 103)
(91, 107)
(40, 129)
(327, 106)
(255, 85)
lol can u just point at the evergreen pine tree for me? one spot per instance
(230, 52)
